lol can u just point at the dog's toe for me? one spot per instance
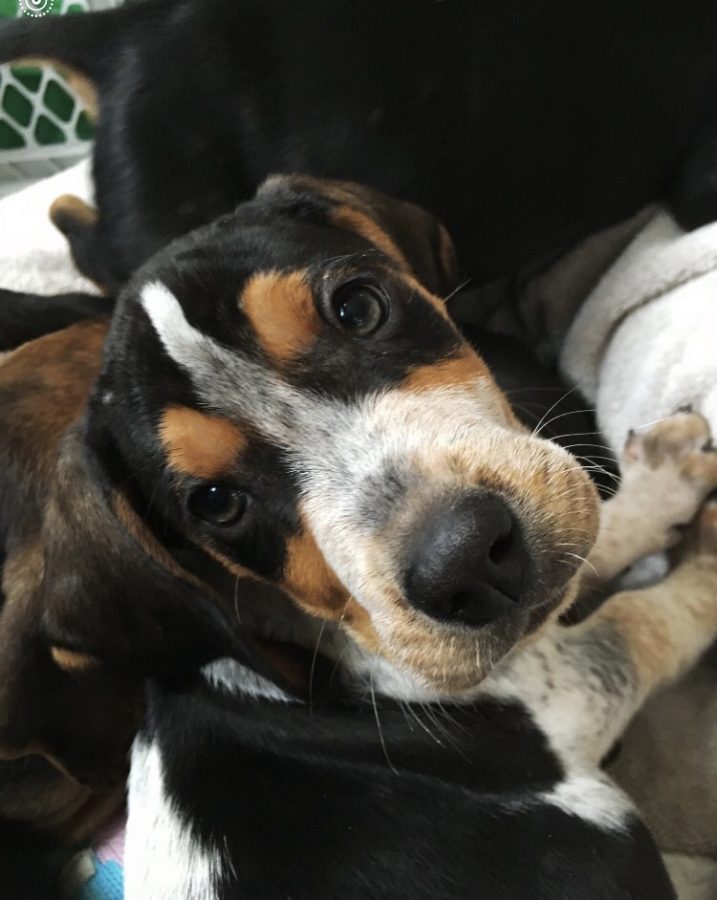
(670, 468)
(683, 441)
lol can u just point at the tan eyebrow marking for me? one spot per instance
(457, 371)
(199, 444)
(435, 301)
(282, 312)
(354, 220)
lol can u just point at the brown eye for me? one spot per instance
(359, 309)
(218, 504)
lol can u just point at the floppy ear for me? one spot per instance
(411, 236)
(111, 589)
(91, 608)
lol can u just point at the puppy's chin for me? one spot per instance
(428, 661)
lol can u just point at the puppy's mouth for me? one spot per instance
(417, 658)
(451, 585)
(474, 577)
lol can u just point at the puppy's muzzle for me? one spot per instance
(468, 562)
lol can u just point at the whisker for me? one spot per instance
(312, 670)
(582, 560)
(236, 598)
(457, 290)
(536, 430)
(378, 726)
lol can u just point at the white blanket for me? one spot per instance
(645, 340)
(34, 256)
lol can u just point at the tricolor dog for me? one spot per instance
(282, 486)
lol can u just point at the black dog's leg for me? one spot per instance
(79, 223)
(24, 317)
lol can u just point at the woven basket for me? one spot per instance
(43, 124)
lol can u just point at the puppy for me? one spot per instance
(280, 400)
(525, 126)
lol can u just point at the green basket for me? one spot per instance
(43, 124)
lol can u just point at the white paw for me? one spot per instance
(669, 469)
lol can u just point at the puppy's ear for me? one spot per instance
(111, 589)
(408, 234)
(92, 606)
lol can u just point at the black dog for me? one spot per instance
(523, 125)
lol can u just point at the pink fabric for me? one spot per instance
(110, 842)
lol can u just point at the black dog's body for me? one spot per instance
(401, 803)
(524, 126)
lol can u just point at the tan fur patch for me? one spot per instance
(68, 214)
(46, 383)
(78, 81)
(466, 369)
(282, 312)
(354, 220)
(199, 444)
(459, 371)
(308, 578)
(231, 565)
(71, 661)
(68, 206)
(314, 586)
(436, 302)
(85, 90)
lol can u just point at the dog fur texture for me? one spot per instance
(245, 458)
(524, 126)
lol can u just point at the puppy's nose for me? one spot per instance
(469, 563)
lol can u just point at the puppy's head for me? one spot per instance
(290, 402)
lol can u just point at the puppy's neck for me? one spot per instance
(310, 656)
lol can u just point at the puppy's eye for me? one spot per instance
(360, 309)
(218, 504)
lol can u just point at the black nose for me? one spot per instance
(469, 563)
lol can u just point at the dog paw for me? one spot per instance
(668, 470)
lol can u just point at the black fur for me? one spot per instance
(523, 126)
(408, 804)
(24, 317)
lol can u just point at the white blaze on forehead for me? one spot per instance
(226, 380)
(181, 340)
